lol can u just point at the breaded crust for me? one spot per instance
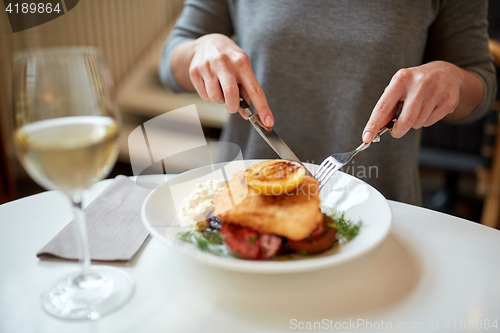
(294, 215)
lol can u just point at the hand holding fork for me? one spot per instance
(336, 161)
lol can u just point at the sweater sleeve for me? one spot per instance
(459, 35)
(198, 18)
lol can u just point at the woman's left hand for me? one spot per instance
(429, 93)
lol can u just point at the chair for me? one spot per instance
(7, 189)
(490, 178)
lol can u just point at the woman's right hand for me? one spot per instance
(220, 71)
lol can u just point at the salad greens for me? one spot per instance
(210, 239)
(205, 241)
(346, 229)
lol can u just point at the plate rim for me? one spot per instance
(262, 266)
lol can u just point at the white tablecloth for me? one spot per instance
(434, 273)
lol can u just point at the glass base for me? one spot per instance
(90, 296)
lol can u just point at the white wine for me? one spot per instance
(68, 153)
(67, 139)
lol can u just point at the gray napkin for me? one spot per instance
(114, 226)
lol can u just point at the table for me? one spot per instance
(434, 273)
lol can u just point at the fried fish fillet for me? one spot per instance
(294, 215)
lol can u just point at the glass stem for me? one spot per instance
(80, 229)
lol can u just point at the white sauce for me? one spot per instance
(199, 203)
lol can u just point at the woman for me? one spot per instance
(323, 72)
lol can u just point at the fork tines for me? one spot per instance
(326, 170)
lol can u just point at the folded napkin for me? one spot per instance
(114, 226)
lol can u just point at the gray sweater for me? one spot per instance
(323, 65)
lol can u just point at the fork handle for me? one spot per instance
(390, 124)
(384, 129)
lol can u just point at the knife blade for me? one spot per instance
(270, 136)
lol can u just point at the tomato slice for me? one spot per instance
(242, 241)
(269, 245)
(247, 243)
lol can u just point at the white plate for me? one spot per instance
(343, 192)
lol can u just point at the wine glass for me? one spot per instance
(66, 137)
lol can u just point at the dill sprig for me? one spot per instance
(346, 229)
(207, 242)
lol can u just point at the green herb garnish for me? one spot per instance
(252, 240)
(208, 242)
(346, 229)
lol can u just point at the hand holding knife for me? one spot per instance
(269, 135)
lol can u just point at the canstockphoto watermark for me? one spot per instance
(309, 190)
(358, 171)
(361, 171)
(356, 324)
(466, 325)
(28, 14)
(173, 143)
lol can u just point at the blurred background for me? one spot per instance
(460, 165)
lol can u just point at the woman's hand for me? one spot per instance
(430, 93)
(220, 71)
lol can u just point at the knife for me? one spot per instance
(270, 136)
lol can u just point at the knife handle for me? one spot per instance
(246, 108)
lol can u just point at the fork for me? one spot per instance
(336, 161)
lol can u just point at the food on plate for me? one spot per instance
(199, 203)
(293, 215)
(275, 177)
(248, 243)
(320, 240)
(280, 214)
